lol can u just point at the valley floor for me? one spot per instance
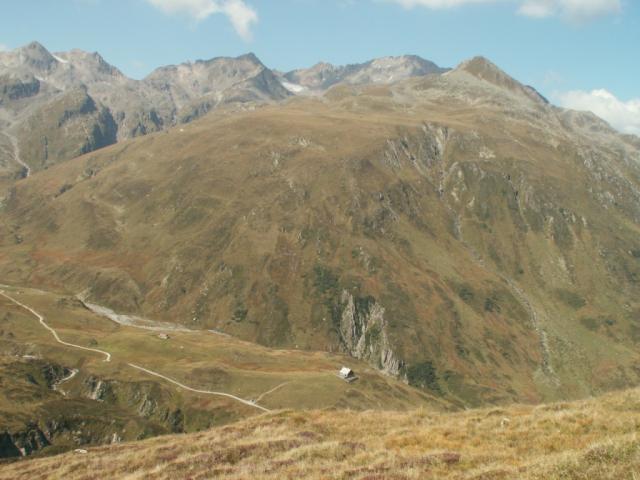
(590, 439)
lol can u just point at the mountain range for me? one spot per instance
(57, 106)
(452, 228)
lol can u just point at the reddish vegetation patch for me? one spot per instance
(385, 477)
(448, 458)
(494, 475)
(308, 435)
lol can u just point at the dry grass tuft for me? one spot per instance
(590, 439)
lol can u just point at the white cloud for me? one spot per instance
(573, 10)
(241, 15)
(4, 48)
(624, 116)
(436, 4)
(537, 8)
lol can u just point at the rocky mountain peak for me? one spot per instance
(33, 56)
(412, 63)
(251, 57)
(485, 70)
(91, 61)
(35, 47)
(382, 70)
(389, 69)
(322, 66)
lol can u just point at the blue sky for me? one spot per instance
(581, 52)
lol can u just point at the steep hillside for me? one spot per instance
(594, 439)
(60, 393)
(456, 231)
(66, 127)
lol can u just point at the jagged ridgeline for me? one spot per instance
(454, 230)
(54, 107)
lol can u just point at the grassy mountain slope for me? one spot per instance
(45, 409)
(594, 439)
(455, 231)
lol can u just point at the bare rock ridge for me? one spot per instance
(322, 76)
(33, 81)
(485, 70)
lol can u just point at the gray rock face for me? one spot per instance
(16, 86)
(323, 76)
(34, 81)
(216, 78)
(69, 125)
(33, 57)
(363, 333)
(23, 443)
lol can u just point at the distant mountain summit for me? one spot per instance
(197, 87)
(383, 70)
(42, 91)
(32, 57)
(485, 70)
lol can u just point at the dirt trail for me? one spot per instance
(56, 386)
(108, 359)
(53, 332)
(277, 387)
(206, 392)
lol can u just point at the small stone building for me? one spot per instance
(347, 374)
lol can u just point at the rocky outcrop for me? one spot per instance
(96, 389)
(23, 443)
(93, 411)
(363, 333)
(16, 87)
(143, 399)
(70, 125)
(386, 70)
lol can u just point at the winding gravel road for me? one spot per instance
(40, 318)
(277, 387)
(137, 367)
(56, 386)
(205, 392)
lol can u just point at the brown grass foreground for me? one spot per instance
(590, 439)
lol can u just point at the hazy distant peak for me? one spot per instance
(484, 69)
(35, 49)
(33, 56)
(251, 57)
(88, 60)
(381, 70)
